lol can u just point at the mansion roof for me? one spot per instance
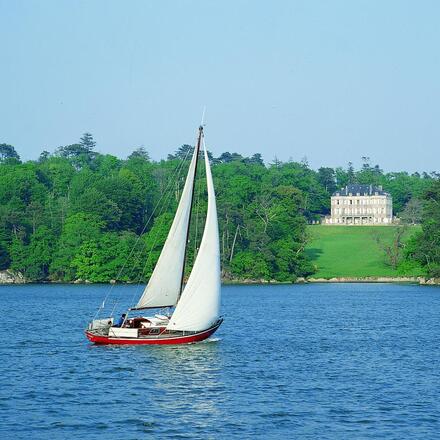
(361, 190)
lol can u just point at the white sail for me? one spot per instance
(199, 305)
(163, 289)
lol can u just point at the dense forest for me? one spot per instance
(77, 214)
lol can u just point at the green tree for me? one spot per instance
(33, 260)
(327, 178)
(351, 176)
(5, 261)
(96, 203)
(126, 193)
(77, 230)
(256, 159)
(251, 265)
(229, 157)
(87, 142)
(394, 250)
(153, 241)
(44, 156)
(183, 152)
(425, 247)
(7, 152)
(140, 153)
(80, 154)
(110, 257)
(412, 213)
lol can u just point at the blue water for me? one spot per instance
(351, 361)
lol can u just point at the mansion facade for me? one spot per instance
(360, 205)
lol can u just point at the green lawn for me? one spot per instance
(351, 251)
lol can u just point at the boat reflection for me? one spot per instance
(184, 376)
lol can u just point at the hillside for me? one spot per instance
(347, 251)
(77, 214)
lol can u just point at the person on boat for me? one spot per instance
(120, 320)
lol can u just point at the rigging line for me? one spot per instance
(165, 207)
(190, 210)
(175, 173)
(114, 307)
(130, 255)
(156, 239)
(150, 252)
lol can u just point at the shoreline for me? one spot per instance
(8, 278)
(372, 279)
(346, 280)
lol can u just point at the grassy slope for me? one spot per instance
(350, 251)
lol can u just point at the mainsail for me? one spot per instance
(199, 305)
(164, 286)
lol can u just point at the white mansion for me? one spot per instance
(360, 205)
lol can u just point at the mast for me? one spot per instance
(190, 210)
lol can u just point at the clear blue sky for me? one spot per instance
(329, 80)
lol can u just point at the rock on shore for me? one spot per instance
(9, 277)
(430, 281)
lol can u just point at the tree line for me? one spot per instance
(79, 214)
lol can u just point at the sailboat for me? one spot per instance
(195, 305)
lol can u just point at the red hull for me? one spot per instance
(188, 339)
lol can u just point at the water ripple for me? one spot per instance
(309, 362)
